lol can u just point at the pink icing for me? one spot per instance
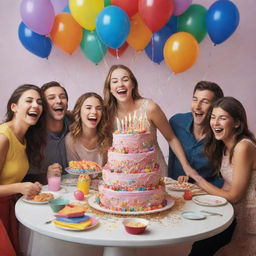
(138, 200)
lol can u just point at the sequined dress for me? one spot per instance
(243, 242)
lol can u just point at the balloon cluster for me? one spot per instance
(165, 29)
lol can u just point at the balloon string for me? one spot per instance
(208, 65)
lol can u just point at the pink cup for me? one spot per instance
(54, 183)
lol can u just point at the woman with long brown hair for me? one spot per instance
(22, 139)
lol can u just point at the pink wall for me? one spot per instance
(231, 64)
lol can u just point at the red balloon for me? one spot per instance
(155, 13)
(118, 52)
(129, 6)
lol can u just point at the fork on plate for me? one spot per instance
(212, 213)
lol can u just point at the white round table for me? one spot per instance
(110, 233)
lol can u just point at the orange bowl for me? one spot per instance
(135, 226)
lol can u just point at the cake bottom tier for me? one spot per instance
(132, 200)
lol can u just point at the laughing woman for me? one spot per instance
(22, 138)
(122, 98)
(88, 137)
(231, 147)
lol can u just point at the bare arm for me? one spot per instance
(26, 188)
(243, 163)
(157, 116)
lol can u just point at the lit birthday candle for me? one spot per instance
(134, 120)
(125, 123)
(122, 123)
(118, 124)
(130, 122)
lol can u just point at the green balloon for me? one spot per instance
(193, 21)
(107, 3)
(92, 47)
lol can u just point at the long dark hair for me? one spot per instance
(214, 148)
(103, 131)
(109, 100)
(36, 134)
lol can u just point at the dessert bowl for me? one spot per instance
(58, 204)
(135, 226)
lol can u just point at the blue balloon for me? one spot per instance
(154, 49)
(37, 44)
(66, 9)
(172, 23)
(113, 26)
(222, 19)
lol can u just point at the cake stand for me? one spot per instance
(96, 206)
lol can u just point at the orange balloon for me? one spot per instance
(139, 35)
(66, 33)
(181, 51)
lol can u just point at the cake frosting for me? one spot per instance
(131, 177)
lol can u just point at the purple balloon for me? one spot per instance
(38, 15)
(59, 5)
(181, 6)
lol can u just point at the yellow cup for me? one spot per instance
(83, 183)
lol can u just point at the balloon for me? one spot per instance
(140, 34)
(193, 21)
(118, 52)
(154, 49)
(181, 6)
(85, 12)
(113, 26)
(155, 13)
(129, 6)
(66, 9)
(222, 19)
(66, 33)
(38, 15)
(37, 44)
(92, 47)
(173, 24)
(181, 51)
(107, 3)
(59, 5)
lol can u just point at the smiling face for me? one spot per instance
(29, 107)
(91, 112)
(121, 85)
(57, 102)
(223, 124)
(201, 102)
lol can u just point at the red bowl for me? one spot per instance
(135, 226)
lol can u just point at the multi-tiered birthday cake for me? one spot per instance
(131, 176)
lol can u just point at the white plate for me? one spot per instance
(94, 220)
(55, 195)
(81, 171)
(181, 186)
(193, 215)
(93, 204)
(209, 200)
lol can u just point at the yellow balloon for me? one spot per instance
(181, 51)
(139, 35)
(86, 11)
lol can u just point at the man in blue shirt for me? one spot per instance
(190, 129)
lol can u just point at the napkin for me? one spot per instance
(73, 220)
(71, 210)
(81, 225)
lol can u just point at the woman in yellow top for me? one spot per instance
(22, 137)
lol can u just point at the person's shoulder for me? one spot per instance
(245, 145)
(181, 117)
